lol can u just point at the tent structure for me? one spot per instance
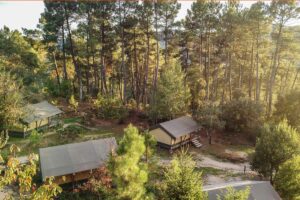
(175, 133)
(74, 162)
(258, 190)
(36, 116)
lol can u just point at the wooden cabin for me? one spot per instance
(36, 116)
(75, 162)
(175, 133)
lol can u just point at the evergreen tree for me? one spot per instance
(289, 107)
(182, 181)
(172, 95)
(128, 172)
(209, 116)
(242, 115)
(11, 100)
(231, 194)
(287, 179)
(275, 145)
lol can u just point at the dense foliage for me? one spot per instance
(288, 107)
(110, 107)
(276, 144)
(22, 175)
(182, 180)
(231, 194)
(242, 114)
(120, 49)
(171, 97)
(128, 173)
(224, 63)
(11, 100)
(287, 179)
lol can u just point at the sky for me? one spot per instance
(25, 14)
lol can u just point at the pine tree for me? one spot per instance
(182, 181)
(287, 179)
(129, 173)
(172, 95)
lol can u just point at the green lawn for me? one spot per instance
(73, 120)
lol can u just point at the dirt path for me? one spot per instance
(208, 161)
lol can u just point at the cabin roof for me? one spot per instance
(77, 157)
(180, 126)
(39, 111)
(258, 189)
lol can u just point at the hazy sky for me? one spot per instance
(18, 14)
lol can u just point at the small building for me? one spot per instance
(36, 116)
(74, 162)
(258, 190)
(175, 133)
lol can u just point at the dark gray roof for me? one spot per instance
(260, 190)
(180, 126)
(39, 111)
(77, 157)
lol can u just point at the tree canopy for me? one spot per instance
(275, 145)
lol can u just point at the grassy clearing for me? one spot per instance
(47, 140)
(211, 171)
(73, 120)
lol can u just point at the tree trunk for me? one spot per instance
(157, 53)
(208, 67)
(257, 96)
(77, 68)
(296, 76)
(123, 70)
(274, 70)
(166, 39)
(64, 53)
(56, 69)
(137, 71)
(251, 72)
(103, 67)
(147, 64)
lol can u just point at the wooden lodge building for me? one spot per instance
(36, 116)
(176, 133)
(75, 162)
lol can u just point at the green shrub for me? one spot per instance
(35, 137)
(110, 108)
(71, 131)
(242, 115)
(73, 103)
(288, 107)
(65, 89)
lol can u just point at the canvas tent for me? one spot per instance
(176, 132)
(74, 162)
(36, 116)
(258, 190)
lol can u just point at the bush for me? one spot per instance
(73, 103)
(65, 89)
(35, 137)
(71, 131)
(242, 115)
(287, 179)
(288, 107)
(110, 107)
(275, 145)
